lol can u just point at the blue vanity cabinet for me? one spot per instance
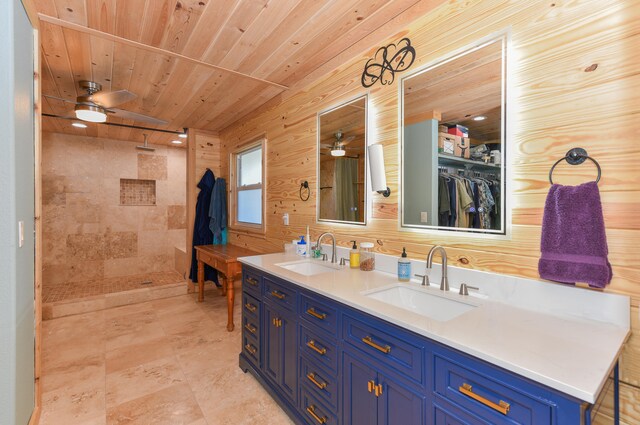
(328, 363)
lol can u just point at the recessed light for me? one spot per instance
(79, 125)
(479, 118)
(176, 142)
(182, 135)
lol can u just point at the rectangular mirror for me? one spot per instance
(453, 142)
(342, 140)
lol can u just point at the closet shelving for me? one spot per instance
(445, 159)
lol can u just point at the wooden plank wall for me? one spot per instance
(203, 151)
(574, 81)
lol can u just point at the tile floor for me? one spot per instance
(75, 290)
(167, 361)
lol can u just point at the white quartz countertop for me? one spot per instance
(563, 349)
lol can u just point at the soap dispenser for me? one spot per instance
(354, 256)
(301, 248)
(404, 267)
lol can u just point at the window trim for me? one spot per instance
(234, 224)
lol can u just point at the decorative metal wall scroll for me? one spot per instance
(387, 61)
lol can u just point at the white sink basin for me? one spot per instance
(419, 301)
(308, 267)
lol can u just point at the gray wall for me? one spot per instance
(16, 204)
(420, 165)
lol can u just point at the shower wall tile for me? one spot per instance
(153, 218)
(82, 271)
(53, 190)
(87, 234)
(120, 245)
(152, 167)
(177, 217)
(152, 242)
(87, 246)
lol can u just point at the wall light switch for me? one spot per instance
(20, 233)
(424, 217)
(285, 219)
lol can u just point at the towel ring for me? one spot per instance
(576, 156)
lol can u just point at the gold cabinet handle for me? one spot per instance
(312, 411)
(370, 386)
(312, 344)
(252, 308)
(315, 314)
(312, 377)
(385, 349)
(278, 295)
(276, 322)
(250, 328)
(250, 349)
(252, 281)
(502, 406)
(378, 390)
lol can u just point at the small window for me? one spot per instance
(247, 180)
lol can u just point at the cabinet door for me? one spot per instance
(398, 404)
(280, 349)
(289, 350)
(272, 348)
(360, 405)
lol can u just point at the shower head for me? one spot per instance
(145, 146)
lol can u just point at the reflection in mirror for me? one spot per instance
(453, 142)
(341, 162)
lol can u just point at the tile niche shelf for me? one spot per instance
(137, 192)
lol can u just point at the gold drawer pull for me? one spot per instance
(252, 308)
(278, 295)
(250, 348)
(250, 328)
(312, 411)
(385, 349)
(502, 406)
(312, 377)
(312, 344)
(315, 314)
(370, 386)
(252, 281)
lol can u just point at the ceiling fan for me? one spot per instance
(337, 147)
(96, 104)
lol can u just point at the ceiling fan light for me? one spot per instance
(337, 152)
(90, 113)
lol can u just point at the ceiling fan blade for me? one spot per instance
(347, 140)
(61, 99)
(128, 115)
(113, 98)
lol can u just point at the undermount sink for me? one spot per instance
(420, 302)
(308, 267)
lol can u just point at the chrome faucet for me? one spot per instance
(333, 245)
(444, 282)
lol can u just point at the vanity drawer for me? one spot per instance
(251, 281)
(319, 314)
(279, 294)
(250, 326)
(495, 397)
(387, 345)
(320, 349)
(320, 382)
(251, 348)
(313, 411)
(250, 306)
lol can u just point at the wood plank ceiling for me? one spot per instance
(201, 63)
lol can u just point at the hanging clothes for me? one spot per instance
(218, 212)
(202, 234)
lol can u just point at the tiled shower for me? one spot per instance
(114, 218)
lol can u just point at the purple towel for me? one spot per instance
(574, 243)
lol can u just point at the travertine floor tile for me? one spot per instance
(142, 380)
(167, 361)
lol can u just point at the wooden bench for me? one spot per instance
(223, 258)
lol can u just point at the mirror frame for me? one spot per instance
(506, 169)
(343, 103)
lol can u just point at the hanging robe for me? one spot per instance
(201, 233)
